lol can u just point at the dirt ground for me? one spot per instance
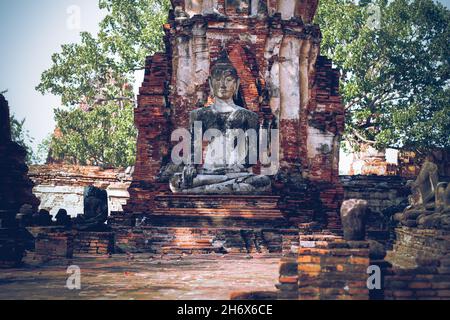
(143, 276)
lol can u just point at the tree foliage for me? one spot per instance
(394, 60)
(93, 79)
(21, 136)
(104, 136)
(96, 69)
(393, 56)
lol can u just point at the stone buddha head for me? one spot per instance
(224, 80)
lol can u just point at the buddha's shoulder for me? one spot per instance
(242, 113)
(200, 112)
(240, 110)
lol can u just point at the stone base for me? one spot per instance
(413, 246)
(204, 224)
(216, 211)
(170, 240)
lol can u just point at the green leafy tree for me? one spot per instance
(104, 136)
(21, 136)
(394, 60)
(133, 29)
(97, 69)
(93, 79)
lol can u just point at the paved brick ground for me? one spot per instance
(144, 277)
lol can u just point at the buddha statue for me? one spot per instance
(429, 203)
(227, 167)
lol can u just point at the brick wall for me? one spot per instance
(54, 245)
(94, 242)
(420, 265)
(381, 192)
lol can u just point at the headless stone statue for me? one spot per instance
(430, 201)
(226, 168)
(423, 188)
(95, 204)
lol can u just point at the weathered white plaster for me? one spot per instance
(217, 36)
(252, 38)
(286, 8)
(273, 75)
(201, 54)
(290, 78)
(254, 7)
(185, 83)
(193, 7)
(319, 141)
(305, 52)
(70, 198)
(274, 84)
(314, 53)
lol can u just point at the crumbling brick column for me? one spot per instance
(326, 267)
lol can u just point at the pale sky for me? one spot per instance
(30, 32)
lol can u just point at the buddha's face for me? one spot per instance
(224, 84)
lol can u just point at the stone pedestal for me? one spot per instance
(200, 240)
(205, 224)
(217, 211)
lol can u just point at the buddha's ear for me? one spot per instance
(211, 90)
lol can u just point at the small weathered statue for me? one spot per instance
(25, 215)
(95, 210)
(353, 218)
(42, 218)
(226, 167)
(62, 218)
(429, 204)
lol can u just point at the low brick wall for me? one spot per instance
(58, 242)
(54, 245)
(94, 242)
(420, 265)
(381, 192)
(421, 283)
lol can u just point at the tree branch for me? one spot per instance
(359, 136)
